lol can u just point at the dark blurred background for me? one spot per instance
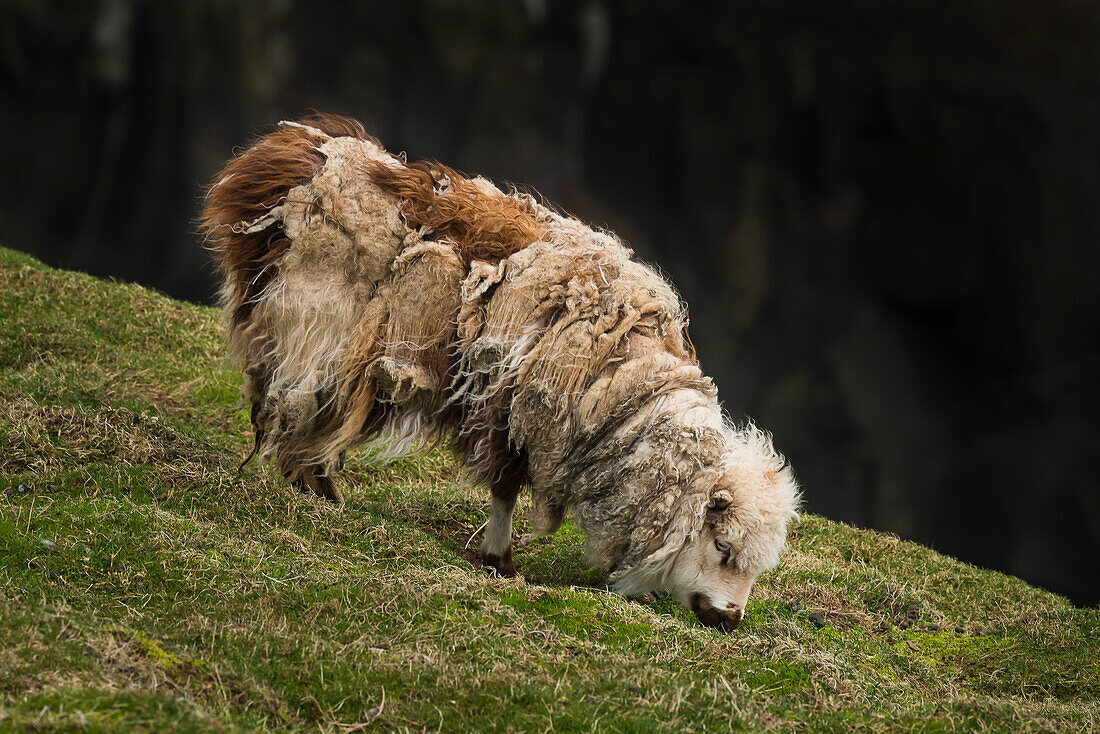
(883, 215)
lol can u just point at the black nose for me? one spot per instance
(724, 619)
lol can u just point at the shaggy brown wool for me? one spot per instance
(480, 224)
(252, 184)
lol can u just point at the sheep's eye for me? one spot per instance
(722, 545)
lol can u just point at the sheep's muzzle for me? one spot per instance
(724, 619)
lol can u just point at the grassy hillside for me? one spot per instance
(146, 585)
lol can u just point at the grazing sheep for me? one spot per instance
(380, 303)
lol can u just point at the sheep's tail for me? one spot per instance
(247, 246)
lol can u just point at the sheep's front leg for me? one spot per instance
(496, 548)
(545, 520)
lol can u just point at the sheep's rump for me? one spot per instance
(381, 303)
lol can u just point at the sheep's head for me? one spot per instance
(739, 532)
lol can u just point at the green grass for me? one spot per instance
(146, 585)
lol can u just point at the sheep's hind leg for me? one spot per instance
(313, 479)
(496, 548)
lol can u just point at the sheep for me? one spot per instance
(389, 305)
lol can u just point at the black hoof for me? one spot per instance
(497, 565)
(321, 486)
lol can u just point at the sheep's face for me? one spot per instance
(706, 576)
(743, 533)
(728, 527)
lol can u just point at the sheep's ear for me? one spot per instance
(720, 500)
